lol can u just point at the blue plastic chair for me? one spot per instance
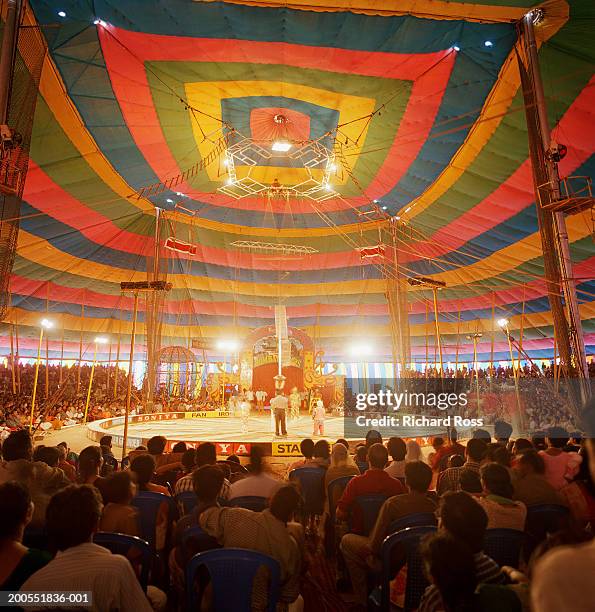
(136, 550)
(417, 519)
(334, 490)
(416, 584)
(369, 507)
(148, 504)
(334, 485)
(186, 501)
(232, 572)
(311, 482)
(545, 518)
(250, 502)
(504, 545)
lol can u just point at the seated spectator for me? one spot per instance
(502, 432)
(418, 477)
(188, 462)
(65, 465)
(538, 440)
(361, 458)
(143, 468)
(397, 450)
(259, 483)
(502, 511)
(109, 461)
(179, 448)
(268, 532)
(40, 479)
(72, 518)
(357, 549)
(307, 450)
(50, 455)
(470, 482)
(455, 461)
(451, 570)
(207, 482)
(563, 578)
(575, 443)
(437, 444)
(322, 453)
(579, 494)
(344, 442)
(452, 448)
(373, 437)
(463, 518)
(17, 562)
(448, 480)
(89, 467)
(374, 480)
(520, 445)
(118, 515)
(413, 451)
(560, 467)
(341, 465)
(530, 485)
(482, 434)
(206, 454)
(503, 457)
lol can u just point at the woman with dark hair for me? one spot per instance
(502, 511)
(17, 562)
(322, 453)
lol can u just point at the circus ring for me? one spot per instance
(227, 433)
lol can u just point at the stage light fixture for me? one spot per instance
(502, 323)
(488, 43)
(457, 48)
(100, 340)
(169, 201)
(281, 146)
(47, 324)
(61, 14)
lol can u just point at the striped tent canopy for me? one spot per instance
(420, 99)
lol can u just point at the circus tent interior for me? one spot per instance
(305, 161)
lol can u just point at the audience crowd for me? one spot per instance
(490, 523)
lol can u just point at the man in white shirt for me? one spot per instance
(72, 518)
(260, 398)
(259, 483)
(279, 407)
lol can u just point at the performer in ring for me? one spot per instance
(318, 414)
(294, 404)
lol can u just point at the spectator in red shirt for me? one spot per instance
(374, 480)
(452, 448)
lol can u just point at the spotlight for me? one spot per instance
(360, 350)
(502, 322)
(488, 43)
(100, 22)
(61, 14)
(100, 340)
(169, 201)
(328, 186)
(457, 48)
(281, 146)
(228, 345)
(384, 207)
(47, 323)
